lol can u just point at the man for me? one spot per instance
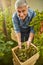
(21, 19)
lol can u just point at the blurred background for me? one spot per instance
(6, 43)
(34, 4)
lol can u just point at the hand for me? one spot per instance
(28, 44)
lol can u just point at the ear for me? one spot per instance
(28, 6)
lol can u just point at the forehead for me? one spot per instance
(22, 8)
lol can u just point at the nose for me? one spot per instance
(21, 14)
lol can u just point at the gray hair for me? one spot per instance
(19, 3)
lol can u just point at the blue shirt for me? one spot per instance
(17, 22)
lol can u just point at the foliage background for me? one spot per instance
(6, 43)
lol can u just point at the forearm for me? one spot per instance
(18, 35)
(31, 36)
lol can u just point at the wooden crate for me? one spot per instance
(30, 61)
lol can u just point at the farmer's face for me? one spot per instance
(22, 12)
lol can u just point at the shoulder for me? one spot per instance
(14, 15)
(31, 12)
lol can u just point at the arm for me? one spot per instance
(17, 30)
(31, 36)
(18, 35)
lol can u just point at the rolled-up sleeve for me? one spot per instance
(15, 24)
(32, 30)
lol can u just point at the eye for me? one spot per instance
(19, 11)
(23, 10)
